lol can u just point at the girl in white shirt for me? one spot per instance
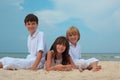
(73, 37)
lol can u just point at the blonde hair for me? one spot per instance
(72, 31)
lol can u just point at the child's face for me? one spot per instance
(60, 48)
(73, 38)
(31, 26)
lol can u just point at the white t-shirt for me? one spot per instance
(37, 43)
(75, 52)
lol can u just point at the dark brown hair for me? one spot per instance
(65, 55)
(31, 18)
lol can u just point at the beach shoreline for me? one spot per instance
(110, 71)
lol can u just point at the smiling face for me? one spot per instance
(60, 48)
(31, 26)
(73, 38)
(31, 23)
(73, 35)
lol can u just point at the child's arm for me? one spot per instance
(49, 62)
(58, 67)
(70, 66)
(37, 61)
(72, 63)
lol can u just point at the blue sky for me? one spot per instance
(97, 20)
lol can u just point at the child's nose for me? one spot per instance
(30, 25)
(61, 45)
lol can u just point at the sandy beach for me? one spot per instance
(110, 71)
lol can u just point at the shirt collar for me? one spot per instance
(72, 44)
(35, 33)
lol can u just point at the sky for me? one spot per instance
(97, 20)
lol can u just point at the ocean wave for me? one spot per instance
(117, 57)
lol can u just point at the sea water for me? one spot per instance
(100, 56)
(15, 55)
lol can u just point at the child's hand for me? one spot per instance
(59, 67)
(33, 68)
(68, 67)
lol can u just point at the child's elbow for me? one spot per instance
(47, 69)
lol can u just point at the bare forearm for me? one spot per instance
(60, 68)
(34, 67)
(37, 61)
(52, 68)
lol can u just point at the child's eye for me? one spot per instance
(27, 23)
(33, 23)
(70, 35)
(74, 34)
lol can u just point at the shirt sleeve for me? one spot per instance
(41, 42)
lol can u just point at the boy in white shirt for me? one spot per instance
(73, 37)
(36, 47)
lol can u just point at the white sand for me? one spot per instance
(110, 71)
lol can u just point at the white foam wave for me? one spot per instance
(117, 57)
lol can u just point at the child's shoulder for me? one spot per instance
(40, 33)
(50, 52)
